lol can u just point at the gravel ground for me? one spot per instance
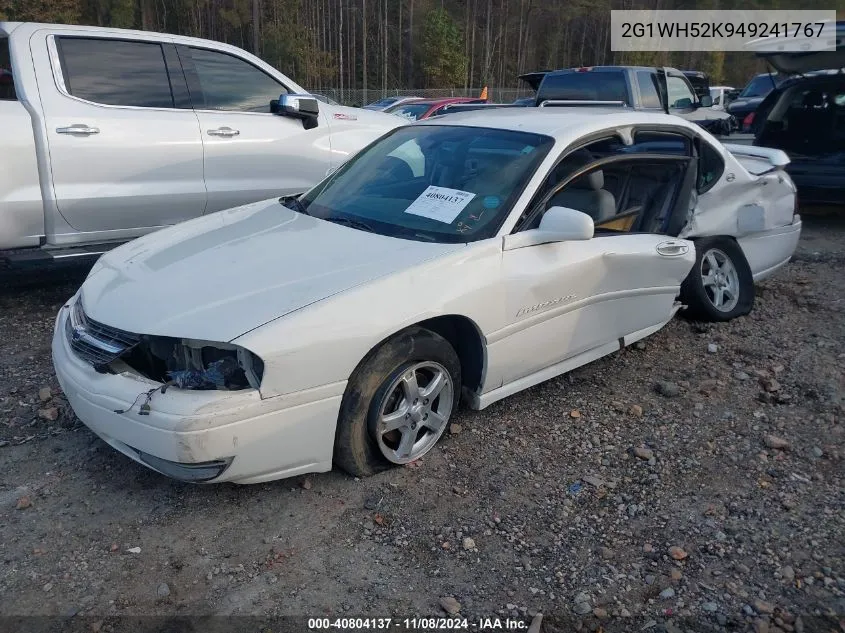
(694, 480)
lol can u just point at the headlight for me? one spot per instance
(195, 364)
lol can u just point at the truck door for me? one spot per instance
(250, 153)
(125, 145)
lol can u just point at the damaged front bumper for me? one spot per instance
(202, 435)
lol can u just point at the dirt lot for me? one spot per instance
(699, 474)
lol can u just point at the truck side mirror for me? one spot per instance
(706, 101)
(298, 106)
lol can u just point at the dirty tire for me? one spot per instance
(356, 449)
(700, 301)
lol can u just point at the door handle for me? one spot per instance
(78, 128)
(672, 248)
(224, 131)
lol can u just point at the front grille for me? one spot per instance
(95, 342)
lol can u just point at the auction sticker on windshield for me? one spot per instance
(440, 203)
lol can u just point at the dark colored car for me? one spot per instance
(744, 106)
(805, 117)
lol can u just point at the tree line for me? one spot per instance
(388, 44)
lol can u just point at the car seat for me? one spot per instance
(587, 194)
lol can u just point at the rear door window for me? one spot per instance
(710, 166)
(115, 72)
(7, 79)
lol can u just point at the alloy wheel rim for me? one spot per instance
(720, 280)
(414, 412)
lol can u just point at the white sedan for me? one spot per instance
(470, 256)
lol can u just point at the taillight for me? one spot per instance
(585, 69)
(747, 121)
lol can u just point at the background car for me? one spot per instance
(104, 141)
(387, 102)
(722, 95)
(425, 108)
(744, 106)
(805, 117)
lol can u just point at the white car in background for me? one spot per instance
(722, 95)
(473, 255)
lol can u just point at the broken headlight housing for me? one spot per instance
(195, 364)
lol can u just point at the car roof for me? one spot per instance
(599, 67)
(561, 123)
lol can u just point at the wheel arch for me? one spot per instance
(462, 333)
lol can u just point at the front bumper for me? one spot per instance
(263, 439)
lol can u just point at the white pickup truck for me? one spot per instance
(110, 134)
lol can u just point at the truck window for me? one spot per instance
(680, 94)
(230, 83)
(115, 72)
(584, 86)
(648, 89)
(7, 80)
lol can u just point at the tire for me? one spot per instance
(712, 301)
(379, 387)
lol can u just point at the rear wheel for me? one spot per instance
(398, 402)
(720, 286)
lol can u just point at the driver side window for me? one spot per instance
(636, 193)
(232, 84)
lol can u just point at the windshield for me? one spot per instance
(760, 86)
(431, 183)
(411, 111)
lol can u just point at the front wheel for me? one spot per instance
(720, 286)
(398, 402)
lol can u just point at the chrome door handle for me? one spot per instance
(672, 248)
(78, 128)
(224, 131)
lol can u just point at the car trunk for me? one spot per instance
(798, 63)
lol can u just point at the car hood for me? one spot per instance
(218, 277)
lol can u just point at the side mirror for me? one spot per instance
(682, 104)
(298, 106)
(706, 101)
(558, 224)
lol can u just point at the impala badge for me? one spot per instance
(545, 305)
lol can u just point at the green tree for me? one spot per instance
(59, 11)
(444, 61)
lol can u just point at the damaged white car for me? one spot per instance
(472, 256)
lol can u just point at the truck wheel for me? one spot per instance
(720, 286)
(398, 402)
